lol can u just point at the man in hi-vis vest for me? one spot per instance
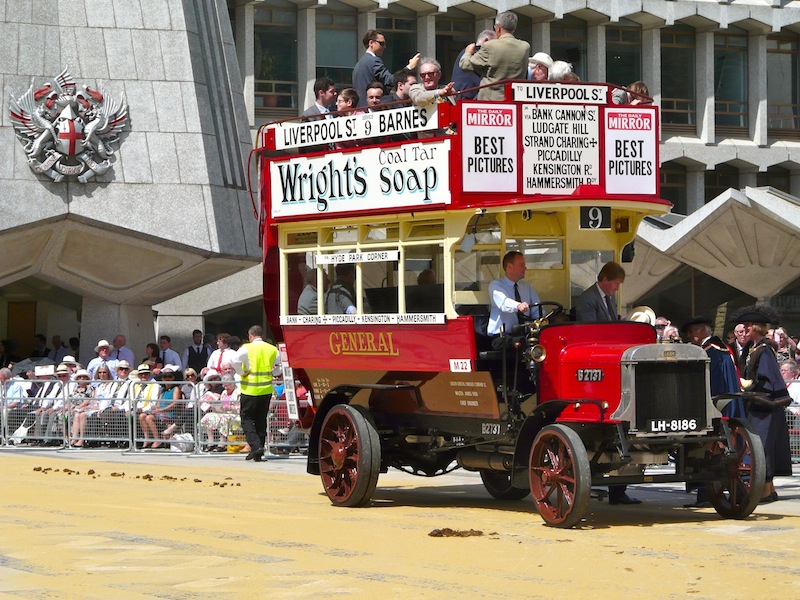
(254, 362)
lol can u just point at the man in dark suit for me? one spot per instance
(324, 98)
(466, 80)
(595, 304)
(370, 66)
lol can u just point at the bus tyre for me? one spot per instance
(498, 484)
(737, 494)
(349, 455)
(560, 476)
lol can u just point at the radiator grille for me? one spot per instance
(667, 391)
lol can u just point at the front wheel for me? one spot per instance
(560, 476)
(498, 484)
(738, 492)
(349, 455)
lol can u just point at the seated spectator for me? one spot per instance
(48, 397)
(222, 416)
(146, 394)
(82, 396)
(162, 413)
(790, 371)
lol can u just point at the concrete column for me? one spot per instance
(307, 59)
(651, 62)
(366, 20)
(695, 189)
(757, 87)
(426, 37)
(596, 52)
(704, 83)
(102, 320)
(483, 24)
(540, 38)
(245, 55)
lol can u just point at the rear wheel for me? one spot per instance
(498, 484)
(737, 494)
(349, 455)
(560, 476)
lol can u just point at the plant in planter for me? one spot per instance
(267, 68)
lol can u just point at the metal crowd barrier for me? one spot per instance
(284, 436)
(133, 416)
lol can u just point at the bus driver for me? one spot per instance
(511, 298)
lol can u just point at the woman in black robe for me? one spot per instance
(767, 416)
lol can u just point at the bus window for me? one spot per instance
(423, 270)
(539, 253)
(379, 280)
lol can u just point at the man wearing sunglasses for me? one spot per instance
(370, 66)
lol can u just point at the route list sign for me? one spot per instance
(560, 148)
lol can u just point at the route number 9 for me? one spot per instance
(595, 217)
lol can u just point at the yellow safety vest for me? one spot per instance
(262, 357)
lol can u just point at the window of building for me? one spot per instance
(399, 25)
(276, 54)
(720, 180)
(776, 177)
(673, 186)
(678, 105)
(730, 79)
(624, 53)
(568, 43)
(454, 31)
(783, 83)
(338, 42)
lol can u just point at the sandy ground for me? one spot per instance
(105, 525)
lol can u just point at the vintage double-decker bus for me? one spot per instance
(382, 232)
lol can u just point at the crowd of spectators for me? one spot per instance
(69, 404)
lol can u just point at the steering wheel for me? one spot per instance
(557, 309)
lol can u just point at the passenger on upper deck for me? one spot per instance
(466, 80)
(370, 66)
(562, 71)
(597, 302)
(504, 58)
(374, 93)
(539, 66)
(428, 92)
(404, 79)
(636, 93)
(325, 97)
(511, 297)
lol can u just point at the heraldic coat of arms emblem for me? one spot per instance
(66, 131)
